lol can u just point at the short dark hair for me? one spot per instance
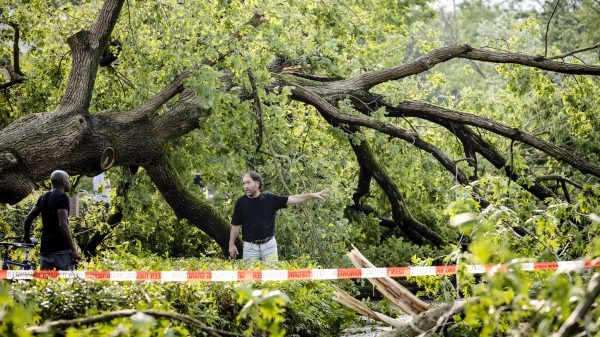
(256, 177)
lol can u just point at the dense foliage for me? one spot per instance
(293, 308)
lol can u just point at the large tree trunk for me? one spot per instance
(187, 206)
(37, 144)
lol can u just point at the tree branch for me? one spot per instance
(16, 76)
(168, 92)
(400, 213)
(532, 61)
(548, 28)
(368, 163)
(469, 150)
(429, 320)
(558, 178)
(484, 148)
(16, 63)
(570, 325)
(420, 108)
(362, 190)
(62, 324)
(332, 113)
(368, 80)
(86, 50)
(257, 110)
(11, 83)
(364, 186)
(368, 103)
(187, 206)
(565, 191)
(563, 184)
(562, 56)
(105, 22)
(347, 88)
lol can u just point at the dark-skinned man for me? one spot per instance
(57, 249)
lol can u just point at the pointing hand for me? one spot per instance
(321, 195)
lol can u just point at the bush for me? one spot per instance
(311, 310)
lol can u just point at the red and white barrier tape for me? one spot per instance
(282, 275)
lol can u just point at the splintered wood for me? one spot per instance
(358, 306)
(389, 288)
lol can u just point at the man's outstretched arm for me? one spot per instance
(300, 198)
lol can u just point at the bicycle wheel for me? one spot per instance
(30, 265)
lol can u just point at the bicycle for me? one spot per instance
(7, 247)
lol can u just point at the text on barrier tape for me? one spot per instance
(283, 275)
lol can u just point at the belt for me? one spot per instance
(261, 241)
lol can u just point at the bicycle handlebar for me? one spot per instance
(33, 243)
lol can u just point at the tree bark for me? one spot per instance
(37, 144)
(86, 50)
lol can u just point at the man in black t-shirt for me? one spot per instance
(255, 212)
(57, 249)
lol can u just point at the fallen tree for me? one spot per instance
(424, 320)
(72, 138)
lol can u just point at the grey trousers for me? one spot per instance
(263, 251)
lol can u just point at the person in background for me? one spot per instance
(101, 186)
(255, 213)
(57, 249)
